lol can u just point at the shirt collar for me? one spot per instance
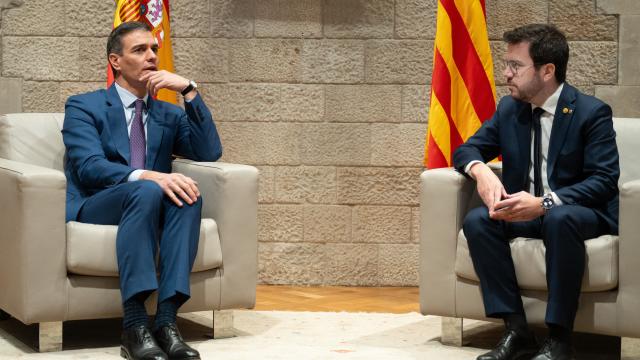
(127, 98)
(551, 103)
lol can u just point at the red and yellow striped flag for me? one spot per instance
(156, 14)
(463, 92)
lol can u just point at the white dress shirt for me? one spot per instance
(546, 124)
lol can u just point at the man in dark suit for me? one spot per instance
(119, 146)
(560, 174)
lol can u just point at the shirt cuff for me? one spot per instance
(556, 199)
(469, 165)
(135, 175)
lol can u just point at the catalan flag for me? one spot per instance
(156, 14)
(463, 92)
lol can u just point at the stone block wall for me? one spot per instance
(328, 98)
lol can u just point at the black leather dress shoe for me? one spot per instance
(554, 350)
(139, 344)
(512, 346)
(173, 345)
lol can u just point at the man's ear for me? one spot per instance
(549, 71)
(114, 60)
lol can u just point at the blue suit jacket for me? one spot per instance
(97, 143)
(582, 163)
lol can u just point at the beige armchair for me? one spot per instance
(52, 272)
(610, 299)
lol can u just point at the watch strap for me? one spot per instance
(188, 88)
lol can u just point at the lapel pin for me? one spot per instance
(567, 111)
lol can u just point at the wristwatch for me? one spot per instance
(547, 202)
(192, 85)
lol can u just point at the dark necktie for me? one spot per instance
(137, 141)
(537, 149)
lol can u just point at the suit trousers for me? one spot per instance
(148, 220)
(563, 229)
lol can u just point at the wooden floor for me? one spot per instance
(338, 298)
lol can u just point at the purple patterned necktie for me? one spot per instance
(137, 141)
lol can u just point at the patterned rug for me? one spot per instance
(291, 335)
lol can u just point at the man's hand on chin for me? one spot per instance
(521, 206)
(163, 79)
(175, 185)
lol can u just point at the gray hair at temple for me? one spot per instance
(114, 42)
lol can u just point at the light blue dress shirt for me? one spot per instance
(128, 101)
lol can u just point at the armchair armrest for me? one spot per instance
(33, 272)
(629, 265)
(230, 197)
(445, 197)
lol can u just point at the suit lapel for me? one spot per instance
(117, 123)
(154, 132)
(523, 134)
(561, 121)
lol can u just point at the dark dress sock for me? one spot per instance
(560, 333)
(516, 322)
(167, 311)
(135, 313)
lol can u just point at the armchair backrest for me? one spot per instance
(628, 140)
(33, 138)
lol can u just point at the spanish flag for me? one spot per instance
(156, 14)
(463, 92)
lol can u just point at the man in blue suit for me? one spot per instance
(560, 175)
(119, 146)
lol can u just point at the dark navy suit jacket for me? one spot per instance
(582, 163)
(97, 142)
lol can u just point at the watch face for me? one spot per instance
(547, 202)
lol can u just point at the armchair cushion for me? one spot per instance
(601, 270)
(91, 249)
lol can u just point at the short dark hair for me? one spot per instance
(114, 42)
(547, 45)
